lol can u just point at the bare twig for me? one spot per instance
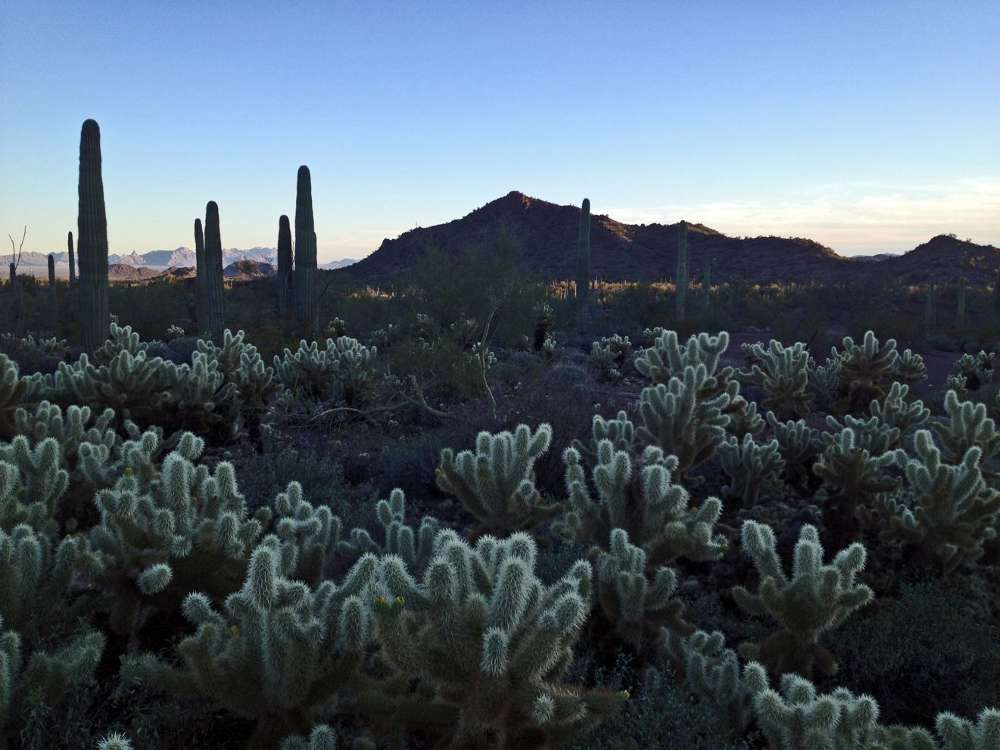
(418, 400)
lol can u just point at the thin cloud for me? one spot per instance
(851, 217)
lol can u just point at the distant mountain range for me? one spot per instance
(546, 234)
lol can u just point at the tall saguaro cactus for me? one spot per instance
(213, 272)
(200, 289)
(53, 299)
(682, 269)
(583, 267)
(305, 250)
(92, 242)
(72, 260)
(284, 277)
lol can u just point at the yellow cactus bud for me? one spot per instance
(399, 601)
(235, 630)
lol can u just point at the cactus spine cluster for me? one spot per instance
(583, 266)
(199, 280)
(213, 273)
(284, 277)
(72, 259)
(682, 269)
(305, 250)
(92, 237)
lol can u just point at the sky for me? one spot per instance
(868, 127)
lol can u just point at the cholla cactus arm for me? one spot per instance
(122, 338)
(15, 391)
(743, 418)
(783, 374)
(496, 483)
(798, 718)
(278, 652)
(953, 513)
(620, 431)
(32, 483)
(824, 381)
(678, 422)
(799, 445)
(608, 355)
(115, 741)
(79, 424)
(909, 368)
(341, 370)
(864, 369)
(45, 676)
(872, 435)
(968, 427)
(314, 531)
(634, 597)
(973, 371)
(493, 643)
(751, 467)
(815, 599)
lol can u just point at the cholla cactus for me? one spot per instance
(15, 392)
(133, 385)
(643, 502)
(909, 368)
(491, 642)
(864, 369)
(200, 397)
(165, 536)
(322, 737)
(783, 374)
(751, 467)
(114, 741)
(968, 426)
(608, 355)
(817, 598)
(824, 382)
(174, 332)
(122, 338)
(872, 435)
(415, 548)
(278, 652)
(712, 672)
(315, 532)
(342, 370)
(667, 358)
(45, 677)
(620, 431)
(796, 718)
(678, 420)
(976, 370)
(242, 365)
(78, 425)
(635, 597)
(496, 482)
(799, 445)
(896, 411)
(32, 481)
(953, 511)
(336, 328)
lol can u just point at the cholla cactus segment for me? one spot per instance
(70, 428)
(676, 419)
(909, 368)
(45, 676)
(743, 418)
(667, 358)
(340, 370)
(620, 431)
(322, 737)
(114, 741)
(969, 426)
(496, 482)
(414, 548)
(492, 642)
(798, 718)
(851, 471)
(642, 501)
(783, 374)
(896, 410)
(752, 468)
(174, 332)
(873, 435)
(798, 442)
(277, 650)
(824, 382)
(634, 597)
(818, 597)
(129, 384)
(953, 511)
(712, 672)
(164, 536)
(242, 365)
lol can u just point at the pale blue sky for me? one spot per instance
(866, 126)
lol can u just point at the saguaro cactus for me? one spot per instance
(305, 249)
(682, 269)
(92, 238)
(583, 266)
(200, 290)
(72, 260)
(213, 272)
(284, 277)
(53, 300)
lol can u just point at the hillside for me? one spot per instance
(546, 235)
